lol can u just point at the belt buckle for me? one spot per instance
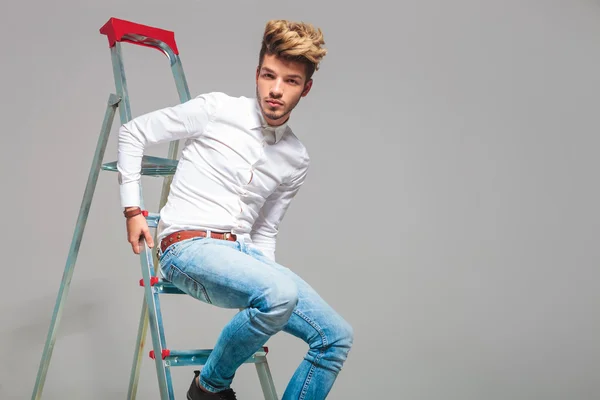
(226, 236)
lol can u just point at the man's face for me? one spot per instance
(279, 86)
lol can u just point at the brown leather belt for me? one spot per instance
(183, 235)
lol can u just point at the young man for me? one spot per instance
(240, 168)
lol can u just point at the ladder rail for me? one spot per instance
(137, 356)
(157, 335)
(266, 379)
(149, 315)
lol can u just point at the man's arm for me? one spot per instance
(266, 227)
(182, 121)
(185, 120)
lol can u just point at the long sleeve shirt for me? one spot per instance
(235, 174)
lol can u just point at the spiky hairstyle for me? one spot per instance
(296, 41)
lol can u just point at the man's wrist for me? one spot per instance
(130, 212)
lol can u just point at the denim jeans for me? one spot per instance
(237, 275)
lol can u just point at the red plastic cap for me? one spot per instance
(117, 30)
(153, 281)
(145, 213)
(164, 353)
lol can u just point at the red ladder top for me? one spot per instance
(115, 29)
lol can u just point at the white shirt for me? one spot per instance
(235, 174)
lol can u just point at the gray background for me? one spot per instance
(451, 214)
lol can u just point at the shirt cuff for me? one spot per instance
(130, 194)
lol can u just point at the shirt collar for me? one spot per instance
(273, 134)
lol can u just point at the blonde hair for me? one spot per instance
(296, 41)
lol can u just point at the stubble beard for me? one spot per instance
(272, 115)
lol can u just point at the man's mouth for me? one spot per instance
(274, 103)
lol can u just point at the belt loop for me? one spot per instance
(208, 234)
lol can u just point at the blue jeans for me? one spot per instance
(235, 275)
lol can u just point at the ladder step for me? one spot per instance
(152, 219)
(180, 358)
(162, 287)
(151, 166)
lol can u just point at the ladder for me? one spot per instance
(120, 31)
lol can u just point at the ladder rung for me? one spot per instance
(180, 358)
(152, 219)
(167, 288)
(151, 166)
(162, 287)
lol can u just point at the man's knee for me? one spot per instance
(276, 303)
(334, 334)
(344, 334)
(282, 298)
(331, 351)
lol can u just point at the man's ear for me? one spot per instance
(257, 72)
(307, 87)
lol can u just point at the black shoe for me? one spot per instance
(195, 393)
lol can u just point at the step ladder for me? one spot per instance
(120, 31)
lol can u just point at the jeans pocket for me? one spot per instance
(186, 283)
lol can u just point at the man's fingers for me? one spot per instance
(134, 240)
(137, 234)
(149, 238)
(135, 245)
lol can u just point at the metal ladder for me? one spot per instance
(120, 31)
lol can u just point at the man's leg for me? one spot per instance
(218, 272)
(328, 335)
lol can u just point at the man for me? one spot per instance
(239, 170)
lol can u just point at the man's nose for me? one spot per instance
(277, 89)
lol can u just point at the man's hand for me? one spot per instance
(137, 227)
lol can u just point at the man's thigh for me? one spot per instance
(217, 272)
